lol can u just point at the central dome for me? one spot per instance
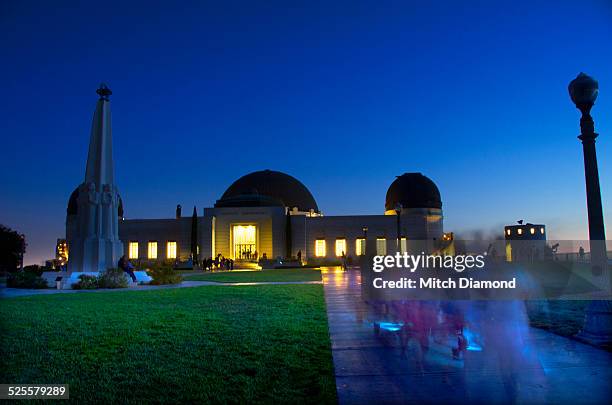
(413, 190)
(273, 188)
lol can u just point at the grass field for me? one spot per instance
(203, 344)
(238, 276)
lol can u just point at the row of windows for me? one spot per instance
(360, 247)
(320, 248)
(520, 231)
(152, 250)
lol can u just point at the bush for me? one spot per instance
(112, 278)
(86, 282)
(35, 269)
(164, 275)
(26, 279)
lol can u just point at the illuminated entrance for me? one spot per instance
(245, 242)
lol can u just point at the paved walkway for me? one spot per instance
(18, 292)
(536, 367)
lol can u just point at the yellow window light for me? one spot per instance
(360, 246)
(340, 247)
(320, 248)
(152, 250)
(171, 250)
(133, 250)
(381, 246)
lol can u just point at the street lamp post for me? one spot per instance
(583, 92)
(597, 328)
(398, 211)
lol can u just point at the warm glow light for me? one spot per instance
(520, 231)
(245, 241)
(320, 248)
(171, 250)
(403, 245)
(152, 250)
(542, 231)
(508, 232)
(381, 246)
(360, 246)
(133, 250)
(340, 247)
(244, 234)
(532, 231)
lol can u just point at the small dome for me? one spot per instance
(413, 190)
(268, 188)
(73, 205)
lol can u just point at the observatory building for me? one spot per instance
(269, 214)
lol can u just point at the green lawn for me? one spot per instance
(263, 275)
(205, 344)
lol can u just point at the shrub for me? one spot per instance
(112, 278)
(164, 275)
(35, 269)
(86, 282)
(26, 279)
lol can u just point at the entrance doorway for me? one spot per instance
(245, 242)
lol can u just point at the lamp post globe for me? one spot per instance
(583, 91)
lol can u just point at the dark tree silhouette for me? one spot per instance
(194, 236)
(288, 232)
(12, 248)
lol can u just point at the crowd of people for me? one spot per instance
(218, 263)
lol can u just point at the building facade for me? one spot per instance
(270, 215)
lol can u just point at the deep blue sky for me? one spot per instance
(344, 97)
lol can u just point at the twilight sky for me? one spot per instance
(344, 97)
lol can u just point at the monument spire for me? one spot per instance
(92, 228)
(99, 168)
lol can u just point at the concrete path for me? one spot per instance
(370, 368)
(18, 292)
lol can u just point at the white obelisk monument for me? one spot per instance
(93, 233)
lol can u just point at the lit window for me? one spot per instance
(532, 231)
(508, 232)
(403, 245)
(340, 247)
(542, 231)
(381, 246)
(152, 250)
(171, 250)
(133, 250)
(360, 247)
(519, 231)
(320, 248)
